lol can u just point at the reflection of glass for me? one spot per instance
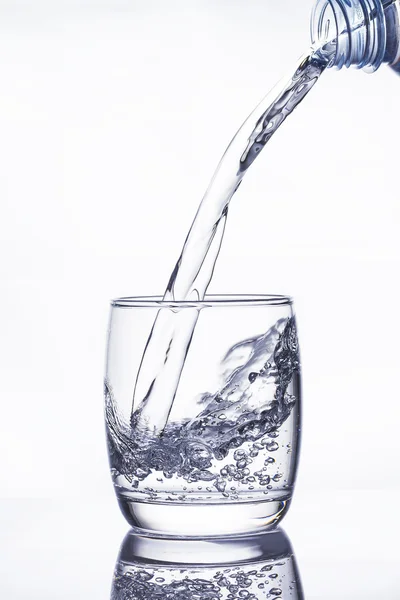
(246, 568)
(222, 458)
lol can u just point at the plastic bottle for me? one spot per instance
(363, 33)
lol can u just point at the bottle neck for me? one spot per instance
(360, 33)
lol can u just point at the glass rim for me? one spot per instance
(210, 301)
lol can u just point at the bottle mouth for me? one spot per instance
(354, 31)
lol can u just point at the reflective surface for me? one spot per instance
(346, 546)
(246, 568)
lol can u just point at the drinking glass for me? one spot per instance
(250, 567)
(217, 453)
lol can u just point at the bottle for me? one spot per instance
(360, 33)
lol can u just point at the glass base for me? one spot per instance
(203, 520)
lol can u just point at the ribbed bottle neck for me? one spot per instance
(359, 33)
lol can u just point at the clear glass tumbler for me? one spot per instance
(224, 461)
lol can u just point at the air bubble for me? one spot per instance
(239, 454)
(272, 446)
(220, 484)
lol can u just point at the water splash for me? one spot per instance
(258, 396)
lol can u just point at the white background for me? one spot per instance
(113, 116)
